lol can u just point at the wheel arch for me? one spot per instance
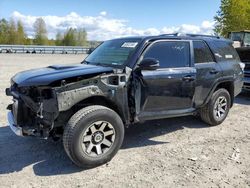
(228, 85)
(94, 100)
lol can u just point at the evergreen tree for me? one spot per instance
(234, 15)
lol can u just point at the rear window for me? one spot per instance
(224, 51)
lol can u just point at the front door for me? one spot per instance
(170, 89)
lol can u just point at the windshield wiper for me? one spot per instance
(101, 64)
(85, 62)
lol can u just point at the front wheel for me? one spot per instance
(93, 136)
(216, 111)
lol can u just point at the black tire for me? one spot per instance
(78, 125)
(207, 112)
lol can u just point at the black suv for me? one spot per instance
(122, 82)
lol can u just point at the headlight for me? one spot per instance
(24, 90)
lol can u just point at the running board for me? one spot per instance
(143, 116)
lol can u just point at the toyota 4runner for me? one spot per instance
(122, 82)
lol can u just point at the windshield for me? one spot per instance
(247, 39)
(237, 36)
(113, 52)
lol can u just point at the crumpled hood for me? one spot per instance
(48, 75)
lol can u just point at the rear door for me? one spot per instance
(170, 88)
(208, 71)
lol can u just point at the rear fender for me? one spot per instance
(215, 87)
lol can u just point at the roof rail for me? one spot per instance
(189, 35)
(200, 35)
(170, 34)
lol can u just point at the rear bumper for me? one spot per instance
(17, 130)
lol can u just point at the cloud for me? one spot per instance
(102, 27)
(103, 13)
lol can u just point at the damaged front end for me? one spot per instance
(33, 111)
(44, 110)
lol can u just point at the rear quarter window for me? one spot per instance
(224, 51)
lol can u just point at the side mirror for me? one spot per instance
(149, 64)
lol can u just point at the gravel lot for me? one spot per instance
(178, 152)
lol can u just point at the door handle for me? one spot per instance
(214, 71)
(188, 78)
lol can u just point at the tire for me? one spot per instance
(208, 114)
(90, 129)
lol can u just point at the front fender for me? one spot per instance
(112, 87)
(67, 99)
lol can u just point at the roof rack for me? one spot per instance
(190, 35)
(170, 34)
(200, 35)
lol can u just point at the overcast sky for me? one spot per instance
(106, 19)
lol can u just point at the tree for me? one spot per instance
(40, 32)
(21, 36)
(81, 37)
(59, 39)
(4, 27)
(70, 37)
(12, 34)
(233, 15)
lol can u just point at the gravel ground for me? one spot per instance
(178, 152)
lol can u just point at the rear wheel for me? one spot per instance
(216, 111)
(93, 136)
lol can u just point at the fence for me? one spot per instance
(35, 49)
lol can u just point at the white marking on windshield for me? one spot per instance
(229, 56)
(129, 44)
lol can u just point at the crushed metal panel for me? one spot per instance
(67, 99)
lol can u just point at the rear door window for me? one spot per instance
(202, 53)
(171, 54)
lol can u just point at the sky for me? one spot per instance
(106, 19)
